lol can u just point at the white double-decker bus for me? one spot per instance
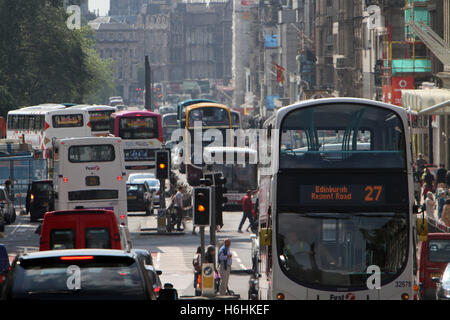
(38, 125)
(90, 173)
(99, 118)
(336, 205)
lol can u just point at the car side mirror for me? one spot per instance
(436, 280)
(158, 272)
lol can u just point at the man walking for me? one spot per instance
(247, 206)
(225, 262)
(441, 175)
(178, 205)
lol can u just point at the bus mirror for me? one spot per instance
(265, 237)
(422, 229)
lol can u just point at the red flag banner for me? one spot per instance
(280, 75)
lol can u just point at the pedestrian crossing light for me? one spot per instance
(162, 164)
(201, 205)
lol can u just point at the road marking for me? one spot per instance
(243, 267)
(15, 229)
(235, 254)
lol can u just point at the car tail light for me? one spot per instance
(77, 258)
(156, 289)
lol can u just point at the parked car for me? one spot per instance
(39, 199)
(7, 207)
(433, 256)
(139, 197)
(154, 274)
(79, 274)
(82, 228)
(4, 264)
(443, 285)
(154, 186)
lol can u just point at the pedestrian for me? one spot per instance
(8, 188)
(430, 205)
(441, 174)
(441, 202)
(247, 207)
(428, 179)
(225, 262)
(421, 162)
(197, 263)
(446, 213)
(447, 179)
(178, 205)
(209, 255)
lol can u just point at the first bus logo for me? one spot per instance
(95, 168)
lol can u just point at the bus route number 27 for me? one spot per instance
(373, 193)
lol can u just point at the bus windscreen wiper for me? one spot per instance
(54, 292)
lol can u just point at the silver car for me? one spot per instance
(154, 186)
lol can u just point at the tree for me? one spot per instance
(42, 60)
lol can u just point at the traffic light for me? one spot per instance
(202, 206)
(220, 182)
(162, 164)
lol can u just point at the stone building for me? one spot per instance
(120, 42)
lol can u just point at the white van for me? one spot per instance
(90, 173)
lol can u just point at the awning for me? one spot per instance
(427, 101)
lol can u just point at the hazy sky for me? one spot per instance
(102, 5)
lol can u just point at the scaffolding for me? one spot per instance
(407, 58)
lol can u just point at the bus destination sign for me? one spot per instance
(342, 194)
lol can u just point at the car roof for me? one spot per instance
(76, 252)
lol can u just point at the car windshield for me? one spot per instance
(108, 278)
(42, 187)
(153, 183)
(336, 249)
(141, 176)
(439, 250)
(135, 188)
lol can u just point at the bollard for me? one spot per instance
(162, 221)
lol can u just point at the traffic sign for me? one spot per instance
(208, 279)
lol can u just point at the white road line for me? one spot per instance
(238, 260)
(243, 267)
(15, 229)
(235, 254)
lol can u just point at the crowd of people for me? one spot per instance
(434, 193)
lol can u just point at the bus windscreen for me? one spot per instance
(342, 136)
(138, 128)
(99, 120)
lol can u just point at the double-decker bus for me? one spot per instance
(141, 132)
(181, 110)
(90, 173)
(169, 125)
(99, 118)
(209, 116)
(38, 125)
(336, 203)
(239, 166)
